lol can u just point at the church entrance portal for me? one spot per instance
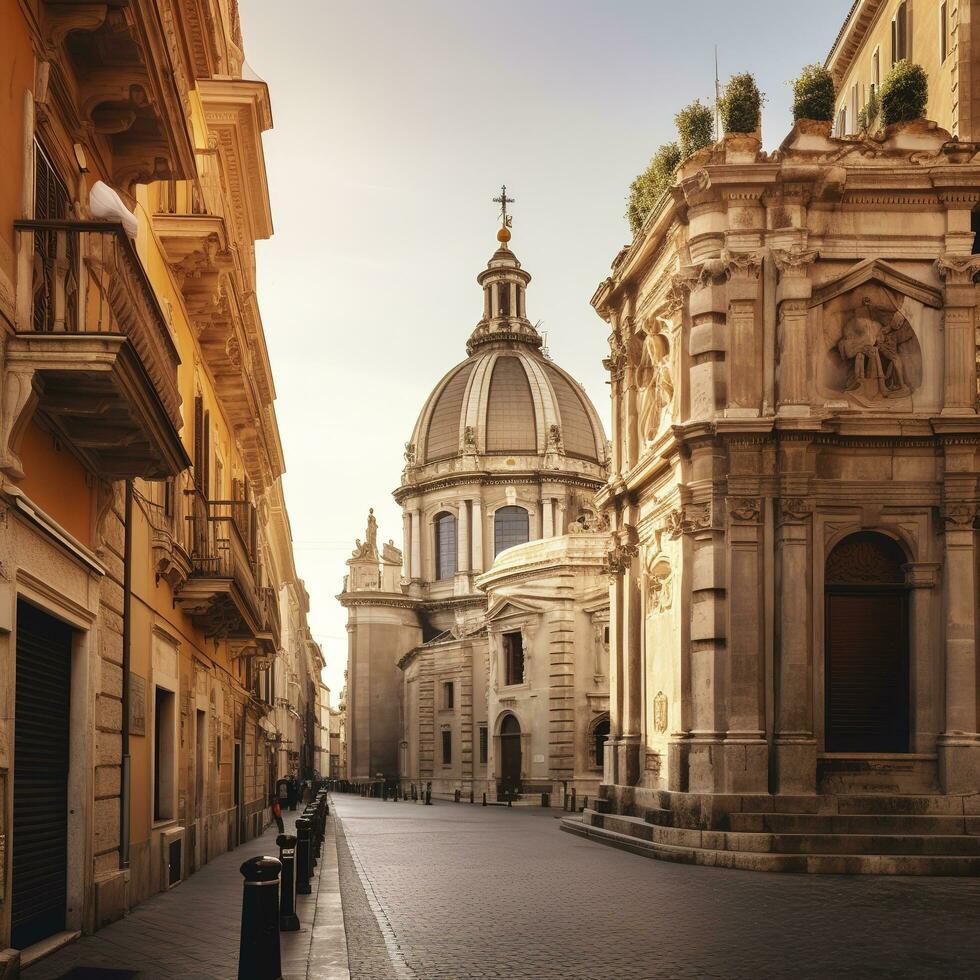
(510, 756)
(867, 654)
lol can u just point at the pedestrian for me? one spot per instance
(277, 815)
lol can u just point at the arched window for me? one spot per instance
(510, 528)
(600, 732)
(445, 527)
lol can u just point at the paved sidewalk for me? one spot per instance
(193, 930)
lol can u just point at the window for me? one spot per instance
(900, 33)
(510, 528)
(943, 31)
(447, 748)
(448, 695)
(600, 733)
(445, 526)
(854, 104)
(164, 754)
(876, 70)
(483, 745)
(841, 121)
(514, 658)
(605, 635)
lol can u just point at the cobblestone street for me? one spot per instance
(464, 892)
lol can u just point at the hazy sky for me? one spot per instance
(396, 122)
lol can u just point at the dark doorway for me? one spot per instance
(40, 845)
(867, 654)
(600, 733)
(510, 755)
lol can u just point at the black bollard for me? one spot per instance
(585, 804)
(304, 866)
(456, 796)
(288, 919)
(574, 805)
(428, 797)
(258, 951)
(471, 792)
(546, 799)
(510, 797)
(484, 799)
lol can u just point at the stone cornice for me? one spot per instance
(487, 479)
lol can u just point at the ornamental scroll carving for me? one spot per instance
(687, 519)
(660, 712)
(660, 587)
(623, 551)
(866, 558)
(744, 510)
(959, 516)
(794, 510)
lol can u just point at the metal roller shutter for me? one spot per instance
(40, 840)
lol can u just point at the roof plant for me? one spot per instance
(904, 93)
(741, 104)
(814, 94)
(695, 127)
(648, 186)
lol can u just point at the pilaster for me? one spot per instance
(792, 298)
(959, 313)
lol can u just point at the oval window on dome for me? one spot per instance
(510, 528)
(445, 545)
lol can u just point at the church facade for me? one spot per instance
(478, 652)
(793, 497)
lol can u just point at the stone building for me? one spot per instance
(145, 558)
(477, 656)
(793, 496)
(941, 35)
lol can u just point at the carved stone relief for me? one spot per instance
(660, 587)
(655, 386)
(660, 712)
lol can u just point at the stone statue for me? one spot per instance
(873, 344)
(655, 385)
(372, 530)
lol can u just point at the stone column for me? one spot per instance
(547, 509)
(959, 745)
(792, 296)
(746, 748)
(614, 365)
(476, 552)
(463, 538)
(406, 545)
(959, 314)
(416, 544)
(745, 361)
(795, 769)
(633, 672)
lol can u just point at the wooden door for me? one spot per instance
(867, 677)
(510, 755)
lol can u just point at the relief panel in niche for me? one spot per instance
(878, 348)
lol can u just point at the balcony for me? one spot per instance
(93, 353)
(222, 594)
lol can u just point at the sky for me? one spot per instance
(395, 124)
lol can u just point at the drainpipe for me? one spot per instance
(126, 654)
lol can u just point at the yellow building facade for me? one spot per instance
(939, 35)
(158, 671)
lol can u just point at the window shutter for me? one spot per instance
(206, 457)
(199, 442)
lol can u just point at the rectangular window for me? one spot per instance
(447, 748)
(483, 745)
(875, 69)
(842, 121)
(445, 530)
(854, 103)
(448, 695)
(514, 657)
(900, 33)
(943, 31)
(164, 754)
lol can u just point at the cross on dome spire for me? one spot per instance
(503, 236)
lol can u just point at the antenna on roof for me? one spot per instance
(717, 98)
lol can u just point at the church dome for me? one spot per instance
(506, 398)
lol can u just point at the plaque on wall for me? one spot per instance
(137, 704)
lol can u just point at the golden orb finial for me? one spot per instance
(503, 236)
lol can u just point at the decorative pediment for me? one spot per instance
(502, 607)
(880, 272)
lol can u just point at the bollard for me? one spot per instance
(484, 799)
(456, 796)
(288, 919)
(546, 799)
(471, 792)
(510, 797)
(585, 804)
(304, 866)
(258, 951)
(574, 808)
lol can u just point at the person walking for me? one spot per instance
(277, 814)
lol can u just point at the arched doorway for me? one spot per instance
(600, 733)
(510, 755)
(866, 679)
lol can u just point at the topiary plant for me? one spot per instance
(695, 127)
(648, 186)
(741, 104)
(814, 94)
(868, 116)
(904, 93)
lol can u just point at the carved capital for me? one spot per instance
(746, 266)
(793, 262)
(744, 510)
(625, 548)
(688, 519)
(794, 510)
(959, 516)
(958, 270)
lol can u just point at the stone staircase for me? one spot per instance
(839, 834)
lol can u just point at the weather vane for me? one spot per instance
(505, 219)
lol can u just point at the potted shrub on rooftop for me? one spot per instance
(814, 94)
(903, 98)
(740, 108)
(695, 133)
(645, 191)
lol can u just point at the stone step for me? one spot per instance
(872, 803)
(805, 823)
(639, 839)
(659, 816)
